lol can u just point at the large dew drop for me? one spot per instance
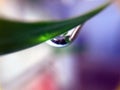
(66, 38)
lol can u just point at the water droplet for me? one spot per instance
(66, 38)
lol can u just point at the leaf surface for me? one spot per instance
(17, 35)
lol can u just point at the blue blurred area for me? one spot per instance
(100, 35)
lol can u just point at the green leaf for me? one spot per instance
(16, 35)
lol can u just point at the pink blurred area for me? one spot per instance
(42, 82)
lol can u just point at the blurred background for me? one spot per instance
(91, 62)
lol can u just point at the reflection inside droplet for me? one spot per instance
(66, 38)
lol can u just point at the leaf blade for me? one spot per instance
(15, 35)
